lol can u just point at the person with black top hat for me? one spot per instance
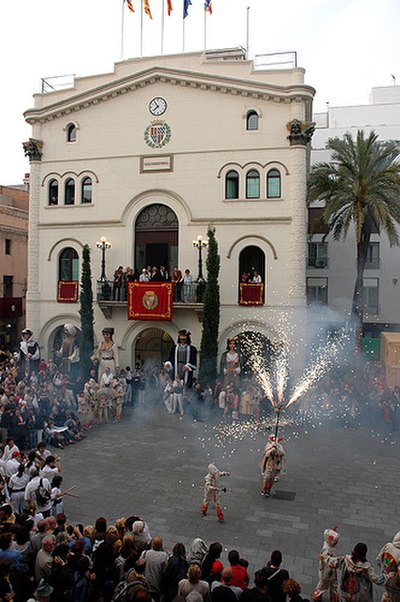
(29, 353)
(183, 358)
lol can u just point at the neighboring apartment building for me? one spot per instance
(150, 155)
(331, 266)
(14, 210)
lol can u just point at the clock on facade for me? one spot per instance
(158, 105)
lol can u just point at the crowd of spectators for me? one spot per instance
(184, 283)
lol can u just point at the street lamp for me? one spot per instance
(103, 244)
(200, 243)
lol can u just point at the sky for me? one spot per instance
(347, 47)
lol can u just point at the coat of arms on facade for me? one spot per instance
(150, 300)
(157, 134)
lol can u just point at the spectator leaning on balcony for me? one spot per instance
(256, 278)
(144, 276)
(187, 286)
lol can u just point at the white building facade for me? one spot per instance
(331, 267)
(149, 156)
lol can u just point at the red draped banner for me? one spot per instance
(251, 294)
(67, 292)
(150, 300)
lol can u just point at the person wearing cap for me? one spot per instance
(29, 353)
(183, 357)
(212, 491)
(107, 354)
(272, 464)
(327, 583)
(138, 536)
(12, 465)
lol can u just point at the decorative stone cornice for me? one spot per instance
(301, 132)
(210, 82)
(33, 149)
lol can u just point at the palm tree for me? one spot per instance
(360, 187)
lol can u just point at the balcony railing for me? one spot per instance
(373, 264)
(319, 263)
(183, 293)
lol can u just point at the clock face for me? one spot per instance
(158, 105)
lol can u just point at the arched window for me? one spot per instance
(273, 184)
(71, 132)
(86, 191)
(156, 238)
(232, 185)
(252, 120)
(69, 192)
(68, 265)
(252, 275)
(253, 184)
(53, 192)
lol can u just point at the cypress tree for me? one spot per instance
(86, 313)
(211, 313)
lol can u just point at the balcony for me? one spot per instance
(11, 307)
(185, 296)
(318, 263)
(373, 264)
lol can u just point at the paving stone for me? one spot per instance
(153, 465)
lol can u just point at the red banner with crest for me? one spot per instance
(150, 300)
(67, 291)
(251, 294)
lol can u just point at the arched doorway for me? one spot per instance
(252, 259)
(153, 347)
(245, 342)
(156, 238)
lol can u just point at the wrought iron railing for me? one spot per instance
(183, 293)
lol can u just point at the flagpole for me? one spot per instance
(247, 31)
(183, 28)
(162, 27)
(141, 28)
(122, 29)
(205, 30)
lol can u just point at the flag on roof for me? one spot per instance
(129, 5)
(186, 4)
(169, 7)
(147, 8)
(208, 6)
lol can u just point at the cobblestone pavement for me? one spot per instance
(152, 464)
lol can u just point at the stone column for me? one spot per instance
(33, 149)
(300, 133)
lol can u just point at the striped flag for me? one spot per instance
(129, 5)
(147, 8)
(186, 4)
(208, 6)
(169, 7)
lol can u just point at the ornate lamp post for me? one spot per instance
(200, 243)
(103, 245)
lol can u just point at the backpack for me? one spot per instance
(42, 494)
(123, 587)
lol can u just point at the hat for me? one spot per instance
(331, 536)
(217, 567)
(138, 526)
(27, 331)
(15, 454)
(70, 328)
(44, 589)
(184, 332)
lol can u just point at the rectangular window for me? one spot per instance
(371, 295)
(317, 291)
(317, 255)
(373, 256)
(8, 246)
(314, 216)
(7, 286)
